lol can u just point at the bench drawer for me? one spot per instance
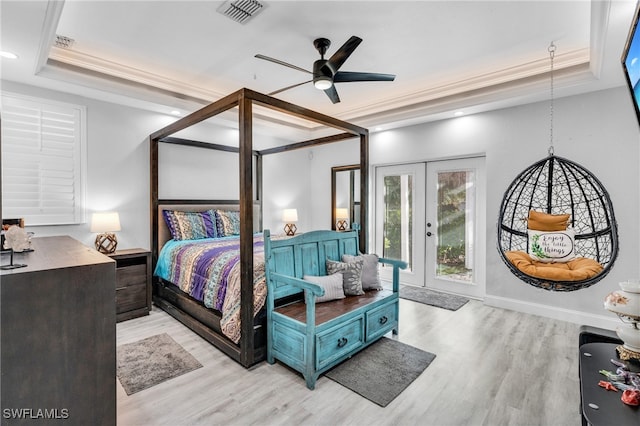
(334, 343)
(381, 320)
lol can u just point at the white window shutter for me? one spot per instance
(43, 161)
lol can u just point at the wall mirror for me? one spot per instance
(345, 196)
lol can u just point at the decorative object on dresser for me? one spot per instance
(16, 240)
(626, 304)
(105, 223)
(289, 216)
(58, 340)
(133, 283)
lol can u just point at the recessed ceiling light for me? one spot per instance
(458, 113)
(176, 112)
(8, 55)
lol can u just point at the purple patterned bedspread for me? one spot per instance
(209, 271)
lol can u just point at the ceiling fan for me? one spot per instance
(326, 71)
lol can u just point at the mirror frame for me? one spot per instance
(352, 190)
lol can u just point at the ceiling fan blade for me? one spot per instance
(279, 62)
(347, 76)
(337, 59)
(332, 93)
(289, 87)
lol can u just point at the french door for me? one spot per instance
(432, 216)
(399, 219)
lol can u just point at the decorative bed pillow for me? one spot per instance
(228, 222)
(552, 247)
(351, 275)
(540, 221)
(191, 225)
(370, 275)
(332, 285)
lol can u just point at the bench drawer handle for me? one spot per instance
(342, 341)
(383, 320)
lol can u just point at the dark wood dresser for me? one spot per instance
(133, 283)
(58, 339)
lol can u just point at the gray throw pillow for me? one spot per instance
(351, 275)
(332, 285)
(370, 274)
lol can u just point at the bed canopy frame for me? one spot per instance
(248, 352)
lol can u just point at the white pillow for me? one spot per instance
(332, 285)
(552, 247)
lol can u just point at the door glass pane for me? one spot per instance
(456, 212)
(398, 218)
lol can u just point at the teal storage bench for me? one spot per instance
(313, 337)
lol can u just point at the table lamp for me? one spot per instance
(342, 219)
(626, 304)
(289, 216)
(105, 224)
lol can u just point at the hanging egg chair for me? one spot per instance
(557, 186)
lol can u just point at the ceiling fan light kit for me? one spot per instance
(326, 71)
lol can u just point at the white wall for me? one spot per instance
(597, 130)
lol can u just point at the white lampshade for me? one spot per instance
(342, 213)
(290, 215)
(105, 222)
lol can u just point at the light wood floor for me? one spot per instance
(493, 367)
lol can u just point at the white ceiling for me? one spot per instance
(447, 55)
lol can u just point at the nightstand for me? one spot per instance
(133, 283)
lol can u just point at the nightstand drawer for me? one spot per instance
(131, 297)
(131, 276)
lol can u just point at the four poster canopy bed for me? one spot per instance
(208, 255)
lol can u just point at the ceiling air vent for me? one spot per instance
(241, 10)
(63, 42)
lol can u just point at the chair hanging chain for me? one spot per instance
(552, 51)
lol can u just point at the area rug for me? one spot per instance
(433, 298)
(382, 371)
(151, 361)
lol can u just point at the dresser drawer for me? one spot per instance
(339, 341)
(381, 320)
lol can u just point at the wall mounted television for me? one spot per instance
(631, 61)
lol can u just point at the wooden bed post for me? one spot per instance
(246, 227)
(153, 204)
(364, 190)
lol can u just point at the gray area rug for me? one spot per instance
(151, 361)
(433, 298)
(382, 371)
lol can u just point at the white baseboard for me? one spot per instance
(606, 321)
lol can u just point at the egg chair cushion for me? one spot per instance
(540, 221)
(578, 269)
